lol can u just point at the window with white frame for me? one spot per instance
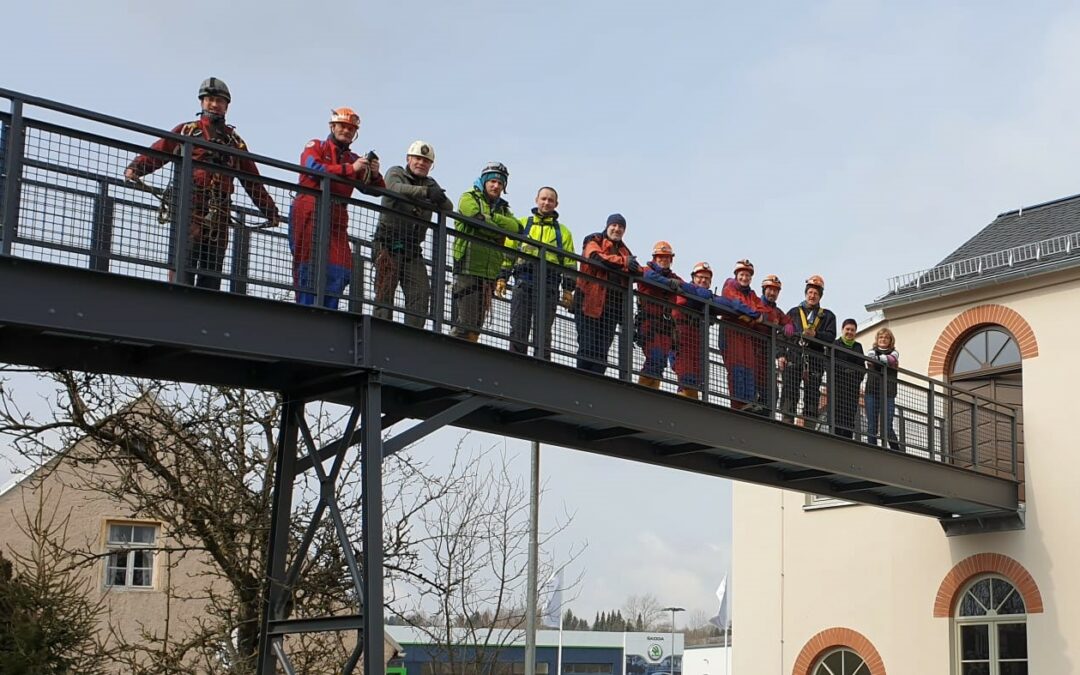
(841, 662)
(131, 555)
(991, 629)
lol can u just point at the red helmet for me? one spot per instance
(663, 248)
(771, 281)
(744, 265)
(701, 268)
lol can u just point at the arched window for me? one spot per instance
(841, 662)
(987, 349)
(988, 362)
(991, 629)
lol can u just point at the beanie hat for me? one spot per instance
(616, 218)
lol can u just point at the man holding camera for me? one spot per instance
(399, 260)
(335, 157)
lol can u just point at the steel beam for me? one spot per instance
(371, 506)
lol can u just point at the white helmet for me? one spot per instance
(422, 149)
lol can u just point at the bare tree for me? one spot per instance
(648, 608)
(475, 553)
(200, 460)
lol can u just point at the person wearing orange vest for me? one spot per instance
(741, 346)
(806, 363)
(598, 306)
(211, 198)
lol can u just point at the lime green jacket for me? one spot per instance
(545, 230)
(476, 258)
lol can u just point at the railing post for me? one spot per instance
(238, 266)
(773, 374)
(13, 159)
(931, 417)
(541, 290)
(626, 345)
(831, 389)
(101, 229)
(322, 241)
(356, 284)
(974, 433)
(883, 407)
(439, 245)
(1014, 447)
(182, 224)
(703, 328)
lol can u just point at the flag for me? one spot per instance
(553, 609)
(721, 618)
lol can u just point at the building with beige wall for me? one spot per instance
(827, 588)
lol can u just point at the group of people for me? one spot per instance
(672, 316)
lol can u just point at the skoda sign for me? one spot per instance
(656, 652)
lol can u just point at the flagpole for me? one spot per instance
(530, 603)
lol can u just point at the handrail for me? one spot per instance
(717, 357)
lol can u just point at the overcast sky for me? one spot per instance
(856, 140)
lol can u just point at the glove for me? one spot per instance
(436, 195)
(633, 265)
(789, 330)
(673, 284)
(500, 288)
(567, 300)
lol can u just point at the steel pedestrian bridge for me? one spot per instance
(86, 260)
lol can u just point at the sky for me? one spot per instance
(852, 139)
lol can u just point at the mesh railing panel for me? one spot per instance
(276, 240)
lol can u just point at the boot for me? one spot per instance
(650, 382)
(472, 336)
(688, 393)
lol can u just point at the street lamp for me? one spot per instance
(673, 610)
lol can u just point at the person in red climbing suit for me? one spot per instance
(332, 156)
(740, 346)
(689, 316)
(211, 198)
(773, 318)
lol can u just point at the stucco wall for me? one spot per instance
(801, 571)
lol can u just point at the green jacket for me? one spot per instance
(472, 257)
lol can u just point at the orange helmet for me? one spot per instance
(701, 268)
(771, 281)
(663, 248)
(744, 265)
(816, 281)
(345, 116)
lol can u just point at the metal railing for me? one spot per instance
(65, 201)
(989, 262)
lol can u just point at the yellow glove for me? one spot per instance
(500, 288)
(567, 299)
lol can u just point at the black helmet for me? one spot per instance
(212, 86)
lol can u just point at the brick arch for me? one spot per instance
(981, 316)
(831, 638)
(986, 563)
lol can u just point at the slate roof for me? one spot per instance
(1030, 240)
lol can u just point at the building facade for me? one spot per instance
(836, 589)
(581, 652)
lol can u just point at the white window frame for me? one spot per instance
(991, 619)
(129, 550)
(819, 665)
